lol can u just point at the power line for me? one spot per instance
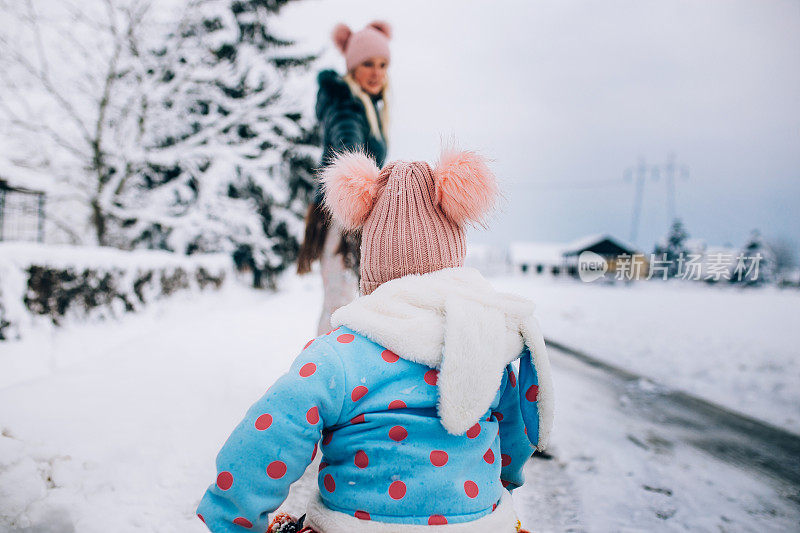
(562, 185)
(669, 169)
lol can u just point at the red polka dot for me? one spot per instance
(532, 394)
(389, 356)
(512, 377)
(431, 377)
(361, 515)
(334, 329)
(326, 438)
(439, 458)
(506, 459)
(397, 490)
(201, 518)
(244, 522)
(504, 482)
(471, 489)
(398, 433)
(263, 422)
(489, 456)
(498, 416)
(474, 431)
(358, 419)
(345, 338)
(322, 465)
(307, 370)
(276, 469)
(224, 480)
(494, 506)
(361, 460)
(330, 485)
(308, 344)
(437, 520)
(397, 404)
(358, 393)
(314, 453)
(312, 415)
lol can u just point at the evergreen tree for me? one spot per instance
(756, 263)
(673, 247)
(230, 157)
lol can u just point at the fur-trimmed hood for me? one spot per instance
(455, 321)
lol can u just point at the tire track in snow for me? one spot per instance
(732, 437)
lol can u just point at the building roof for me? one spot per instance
(553, 252)
(25, 179)
(578, 245)
(536, 252)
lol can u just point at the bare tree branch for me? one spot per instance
(38, 38)
(48, 86)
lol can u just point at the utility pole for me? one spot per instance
(641, 173)
(670, 170)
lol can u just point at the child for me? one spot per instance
(425, 425)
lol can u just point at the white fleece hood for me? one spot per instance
(455, 321)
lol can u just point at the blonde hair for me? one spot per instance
(372, 117)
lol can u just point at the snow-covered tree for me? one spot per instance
(234, 159)
(756, 262)
(672, 248)
(166, 128)
(785, 254)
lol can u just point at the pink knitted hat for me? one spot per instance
(361, 45)
(412, 217)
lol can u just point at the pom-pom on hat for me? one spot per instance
(412, 216)
(357, 47)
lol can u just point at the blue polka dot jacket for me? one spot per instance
(425, 402)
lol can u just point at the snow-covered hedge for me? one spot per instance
(57, 282)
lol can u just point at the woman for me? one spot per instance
(353, 112)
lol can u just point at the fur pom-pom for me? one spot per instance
(341, 36)
(465, 187)
(382, 26)
(351, 182)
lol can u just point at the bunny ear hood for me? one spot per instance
(453, 320)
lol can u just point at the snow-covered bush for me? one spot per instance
(61, 282)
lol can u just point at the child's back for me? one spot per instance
(423, 419)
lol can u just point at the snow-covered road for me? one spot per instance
(115, 427)
(620, 466)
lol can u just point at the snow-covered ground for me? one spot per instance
(613, 470)
(115, 426)
(737, 348)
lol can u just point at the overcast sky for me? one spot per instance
(565, 96)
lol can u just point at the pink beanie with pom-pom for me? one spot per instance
(411, 215)
(359, 46)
